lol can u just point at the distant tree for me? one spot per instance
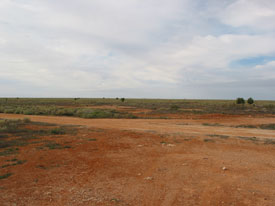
(122, 99)
(250, 100)
(116, 98)
(240, 100)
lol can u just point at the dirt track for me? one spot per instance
(167, 126)
(148, 162)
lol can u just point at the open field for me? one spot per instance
(130, 108)
(197, 159)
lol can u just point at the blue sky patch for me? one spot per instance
(253, 61)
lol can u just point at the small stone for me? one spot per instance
(148, 178)
(224, 168)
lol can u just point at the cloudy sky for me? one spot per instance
(218, 49)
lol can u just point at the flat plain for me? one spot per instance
(136, 152)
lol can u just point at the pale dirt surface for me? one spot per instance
(154, 162)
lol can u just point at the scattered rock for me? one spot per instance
(224, 168)
(148, 178)
(170, 145)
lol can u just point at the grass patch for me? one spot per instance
(92, 139)
(217, 135)
(18, 162)
(58, 131)
(246, 126)
(261, 126)
(9, 151)
(212, 124)
(54, 145)
(11, 160)
(11, 143)
(5, 176)
(248, 138)
(269, 141)
(208, 140)
(267, 126)
(22, 135)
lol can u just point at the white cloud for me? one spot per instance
(265, 71)
(258, 14)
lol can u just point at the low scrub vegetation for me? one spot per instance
(5, 176)
(220, 136)
(15, 134)
(81, 107)
(261, 126)
(61, 111)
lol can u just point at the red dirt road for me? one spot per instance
(147, 162)
(168, 126)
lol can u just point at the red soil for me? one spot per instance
(146, 162)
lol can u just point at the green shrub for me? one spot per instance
(5, 175)
(250, 101)
(58, 131)
(9, 111)
(267, 126)
(240, 100)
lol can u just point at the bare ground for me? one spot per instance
(202, 160)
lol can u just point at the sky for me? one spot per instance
(184, 49)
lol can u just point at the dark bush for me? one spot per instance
(250, 101)
(240, 100)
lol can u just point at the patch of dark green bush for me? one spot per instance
(11, 143)
(246, 126)
(5, 176)
(262, 126)
(57, 131)
(208, 140)
(220, 136)
(248, 138)
(18, 162)
(11, 126)
(212, 124)
(250, 100)
(9, 151)
(269, 141)
(54, 145)
(267, 126)
(240, 100)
